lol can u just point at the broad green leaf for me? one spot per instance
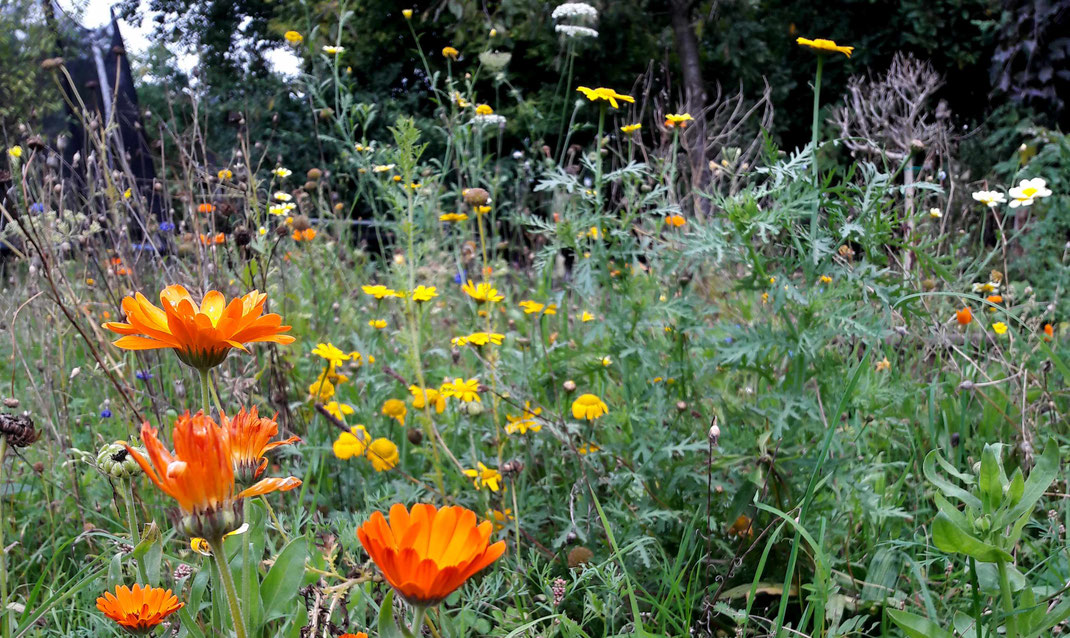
(1016, 488)
(1044, 472)
(917, 627)
(990, 485)
(284, 578)
(949, 489)
(388, 626)
(948, 537)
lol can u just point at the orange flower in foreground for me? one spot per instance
(428, 553)
(206, 208)
(964, 316)
(216, 239)
(249, 435)
(201, 335)
(1049, 332)
(199, 474)
(139, 609)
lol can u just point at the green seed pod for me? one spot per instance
(473, 408)
(116, 462)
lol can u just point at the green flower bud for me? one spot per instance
(116, 462)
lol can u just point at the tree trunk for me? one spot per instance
(694, 137)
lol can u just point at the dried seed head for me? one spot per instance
(314, 174)
(242, 236)
(579, 556)
(475, 196)
(18, 430)
(416, 437)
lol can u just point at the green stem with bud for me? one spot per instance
(228, 586)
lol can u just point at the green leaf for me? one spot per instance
(990, 485)
(1044, 472)
(1016, 488)
(388, 627)
(283, 580)
(948, 537)
(917, 627)
(949, 489)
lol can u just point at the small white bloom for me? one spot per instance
(572, 31)
(574, 10)
(282, 172)
(1027, 191)
(283, 196)
(935, 213)
(331, 50)
(489, 120)
(987, 288)
(990, 198)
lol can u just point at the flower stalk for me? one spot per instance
(814, 132)
(228, 586)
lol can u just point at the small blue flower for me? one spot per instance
(37, 207)
(105, 413)
(144, 247)
(166, 227)
(143, 375)
(728, 339)
(459, 278)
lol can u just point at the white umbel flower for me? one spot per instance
(492, 119)
(573, 31)
(1027, 191)
(574, 10)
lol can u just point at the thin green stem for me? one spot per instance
(814, 133)
(206, 384)
(5, 614)
(228, 586)
(1011, 624)
(132, 526)
(598, 164)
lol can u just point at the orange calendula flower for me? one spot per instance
(964, 316)
(199, 474)
(429, 553)
(140, 609)
(359, 634)
(202, 335)
(307, 234)
(589, 406)
(250, 439)
(823, 46)
(206, 208)
(1049, 332)
(213, 240)
(675, 221)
